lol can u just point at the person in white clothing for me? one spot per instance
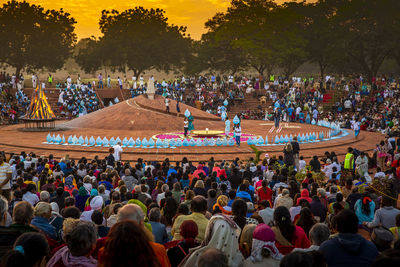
(134, 85)
(34, 79)
(302, 163)
(117, 152)
(5, 177)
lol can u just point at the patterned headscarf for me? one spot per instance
(264, 237)
(222, 233)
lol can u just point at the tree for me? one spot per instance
(90, 55)
(35, 38)
(366, 27)
(290, 26)
(220, 55)
(322, 46)
(141, 39)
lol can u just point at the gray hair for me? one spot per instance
(319, 233)
(155, 214)
(165, 188)
(321, 191)
(81, 239)
(44, 196)
(131, 212)
(213, 257)
(42, 209)
(3, 206)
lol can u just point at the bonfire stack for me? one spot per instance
(39, 108)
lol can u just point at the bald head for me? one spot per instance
(131, 212)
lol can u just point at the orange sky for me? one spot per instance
(190, 13)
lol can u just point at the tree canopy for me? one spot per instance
(35, 38)
(344, 36)
(137, 39)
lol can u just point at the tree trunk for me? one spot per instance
(321, 69)
(17, 72)
(137, 72)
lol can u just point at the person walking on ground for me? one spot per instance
(238, 134)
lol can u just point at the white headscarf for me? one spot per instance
(223, 234)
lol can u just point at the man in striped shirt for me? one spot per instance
(5, 177)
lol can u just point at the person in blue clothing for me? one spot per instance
(242, 193)
(106, 181)
(171, 170)
(290, 113)
(41, 220)
(185, 181)
(364, 209)
(308, 118)
(158, 229)
(301, 117)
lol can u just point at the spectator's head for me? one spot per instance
(69, 224)
(264, 204)
(319, 233)
(131, 212)
(283, 221)
(82, 239)
(128, 245)
(97, 217)
(69, 201)
(43, 209)
(346, 222)
(155, 215)
(71, 212)
(96, 203)
(321, 192)
(189, 229)
(44, 196)
(165, 188)
(213, 257)
(382, 238)
(212, 193)
(198, 204)
(199, 184)
(339, 197)
(232, 194)
(30, 249)
(387, 201)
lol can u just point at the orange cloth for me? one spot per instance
(158, 249)
(161, 254)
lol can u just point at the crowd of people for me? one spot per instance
(77, 99)
(12, 107)
(273, 212)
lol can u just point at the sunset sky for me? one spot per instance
(190, 13)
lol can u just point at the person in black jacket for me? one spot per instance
(318, 209)
(110, 158)
(315, 164)
(296, 152)
(235, 179)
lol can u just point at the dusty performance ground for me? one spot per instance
(144, 118)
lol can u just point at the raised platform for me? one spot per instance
(130, 119)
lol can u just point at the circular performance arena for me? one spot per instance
(147, 131)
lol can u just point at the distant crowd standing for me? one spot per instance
(280, 211)
(77, 99)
